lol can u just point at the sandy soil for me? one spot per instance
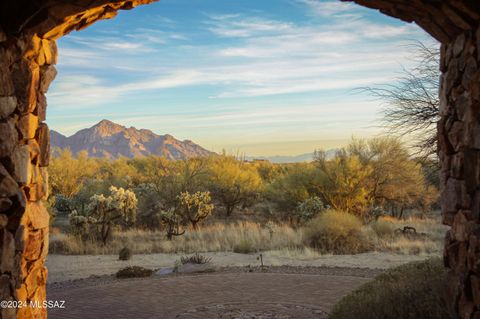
(68, 267)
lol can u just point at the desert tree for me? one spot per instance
(68, 176)
(396, 181)
(411, 103)
(67, 173)
(345, 182)
(233, 182)
(296, 185)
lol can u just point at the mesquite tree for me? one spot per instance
(411, 104)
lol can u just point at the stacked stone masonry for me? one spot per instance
(459, 142)
(26, 70)
(28, 53)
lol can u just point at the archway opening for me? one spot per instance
(29, 48)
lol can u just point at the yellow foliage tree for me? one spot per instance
(233, 182)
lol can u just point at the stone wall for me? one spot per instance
(459, 143)
(26, 70)
(27, 58)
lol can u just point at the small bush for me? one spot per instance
(336, 232)
(383, 228)
(195, 259)
(125, 254)
(412, 290)
(244, 247)
(134, 272)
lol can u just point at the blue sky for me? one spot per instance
(270, 77)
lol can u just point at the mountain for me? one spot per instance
(307, 157)
(110, 140)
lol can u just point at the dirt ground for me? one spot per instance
(68, 267)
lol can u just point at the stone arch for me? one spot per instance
(28, 31)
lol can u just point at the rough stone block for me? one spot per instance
(5, 205)
(34, 149)
(455, 136)
(7, 252)
(37, 191)
(459, 44)
(25, 77)
(8, 186)
(33, 244)
(459, 227)
(23, 167)
(454, 196)
(7, 106)
(456, 166)
(27, 125)
(47, 75)
(36, 215)
(4, 287)
(3, 221)
(471, 69)
(41, 110)
(21, 293)
(7, 88)
(43, 138)
(8, 138)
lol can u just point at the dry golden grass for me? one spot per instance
(432, 243)
(249, 237)
(217, 237)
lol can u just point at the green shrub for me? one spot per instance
(409, 291)
(336, 232)
(244, 247)
(383, 228)
(134, 272)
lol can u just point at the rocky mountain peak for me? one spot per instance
(111, 140)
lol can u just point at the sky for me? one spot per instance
(259, 78)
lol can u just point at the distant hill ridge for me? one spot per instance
(107, 139)
(302, 158)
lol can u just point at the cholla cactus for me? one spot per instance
(120, 206)
(80, 225)
(195, 207)
(270, 226)
(310, 207)
(171, 220)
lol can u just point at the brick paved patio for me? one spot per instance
(218, 295)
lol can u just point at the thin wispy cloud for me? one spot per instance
(233, 56)
(329, 7)
(238, 26)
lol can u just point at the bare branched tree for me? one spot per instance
(411, 104)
